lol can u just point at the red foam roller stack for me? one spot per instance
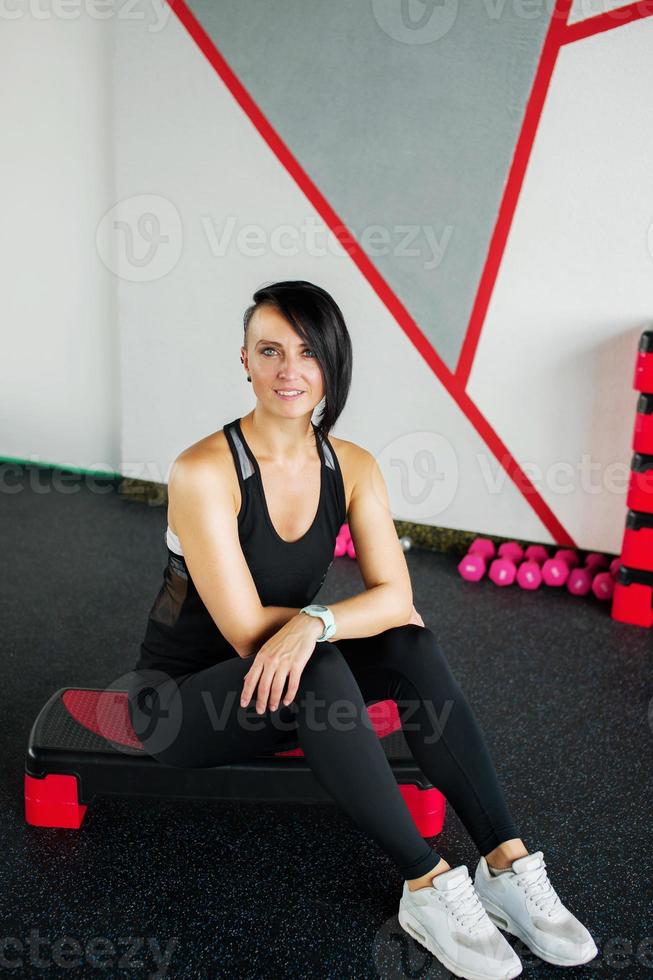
(644, 364)
(640, 486)
(632, 600)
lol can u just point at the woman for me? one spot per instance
(254, 510)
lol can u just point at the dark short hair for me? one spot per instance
(316, 317)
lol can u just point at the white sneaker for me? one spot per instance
(448, 918)
(523, 902)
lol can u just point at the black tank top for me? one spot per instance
(181, 637)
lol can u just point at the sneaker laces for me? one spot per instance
(538, 887)
(464, 903)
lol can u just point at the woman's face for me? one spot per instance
(278, 359)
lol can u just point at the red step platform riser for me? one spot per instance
(427, 808)
(52, 802)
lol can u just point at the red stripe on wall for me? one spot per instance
(513, 187)
(607, 21)
(451, 383)
(559, 33)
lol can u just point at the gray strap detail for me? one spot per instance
(246, 467)
(328, 456)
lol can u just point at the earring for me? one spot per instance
(248, 378)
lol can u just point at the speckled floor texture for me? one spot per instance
(216, 889)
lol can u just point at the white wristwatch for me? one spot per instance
(325, 614)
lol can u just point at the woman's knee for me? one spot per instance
(327, 679)
(412, 648)
(409, 639)
(325, 669)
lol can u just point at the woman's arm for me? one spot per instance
(388, 597)
(272, 618)
(269, 621)
(206, 524)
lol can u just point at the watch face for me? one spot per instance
(320, 607)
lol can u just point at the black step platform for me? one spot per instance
(82, 746)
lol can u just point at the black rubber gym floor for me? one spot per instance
(216, 889)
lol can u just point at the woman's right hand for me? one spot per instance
(283, 656)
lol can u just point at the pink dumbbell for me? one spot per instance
(582, 580)
(615, 565)
(529, 573)
(579, 581)
(502, 571)
(472, 567)
(555, 571)
(537, 553)
(512, 551)
(344, 544)
(483, 547)
(603, 586)
(596, 561)
(570, 557)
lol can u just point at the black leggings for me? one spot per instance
(197, 721)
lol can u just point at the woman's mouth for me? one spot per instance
(288, 394)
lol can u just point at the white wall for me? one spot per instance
(181, 333)
(143, 125)
(58, 398)
(556, 358)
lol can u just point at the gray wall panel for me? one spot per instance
(394, 131)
